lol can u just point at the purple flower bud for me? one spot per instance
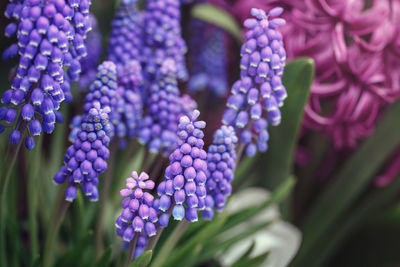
(15, 136)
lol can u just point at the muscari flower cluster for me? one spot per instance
(126, 114)
(50, 37)
(163, 38)
(221, 162)
(127, 34)
(85, 160)
(183, 191)
(102, 90)
(260, 89)
(159, 126)
(138, 216)
(90, 62)
(208, 58)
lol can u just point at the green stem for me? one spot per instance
(132, 248)
(59, 211)
(170, 243)
(103, 202)
(34, 164)
(3, 206)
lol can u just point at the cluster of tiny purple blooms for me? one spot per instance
(135, 94)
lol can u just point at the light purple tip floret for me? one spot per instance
(259, 93)
(221, 162)
(183, 191)
(138, 216)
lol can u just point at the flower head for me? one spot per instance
(138, 215)
(91, 60)
(50, 38)
(102, 90)
(126, 36)
(163, 38)
(260, 89)
(86, 159)
(208, 59)
(221, 157)
(126, 113)
(183, 191)
(160, 124)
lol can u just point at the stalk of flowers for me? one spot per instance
(259, 93)
(125, 48)
(86, 158)
(126, 39)
(159, 125)
(90, 62)
(138, 218)
(207, 58)
(163, 38)
(50, 37)
(221, 163)
(182, 193)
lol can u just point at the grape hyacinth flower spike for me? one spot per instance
(103, 90)
(259, 93)
(138, 216)
(90, 62)
(221, 162)
(183, 191)
(160, 124)
(50, 38)
(163, 38)
(86, 159)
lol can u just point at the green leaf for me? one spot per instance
(278, 161)
(350, 182)
(75, 253)
(277, 196)
(215, 246)
(219, 17)
(105, 259)
(182, 254)
(143, 260)
(255, 261)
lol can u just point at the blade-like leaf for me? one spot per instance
(277, 196)
(182, 254)
(351, 181)
(214, 246)
(75, 253)
(278, 161)
(105, 259)
(252, 262)
(143, 260)
(219, 17)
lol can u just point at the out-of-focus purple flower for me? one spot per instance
(138, 216)
(102, 90)
(126, 113)
(50, 38)
(91, 60)
(183, 191)
(127, 34)
(86, 159)
(207, 58)
(259, 93)
(221, 157)
(393, 169)
(187, 104)
(160, 124)
(163, 38)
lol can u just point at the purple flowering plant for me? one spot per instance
(200, 140)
